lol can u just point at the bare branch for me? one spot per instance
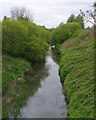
(21, 13)
(89, 15)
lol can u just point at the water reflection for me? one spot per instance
(35, 76)
(46, 99)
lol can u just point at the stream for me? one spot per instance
(46, 98)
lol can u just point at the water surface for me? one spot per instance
(46, 99)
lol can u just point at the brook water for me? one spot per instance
(46, 99)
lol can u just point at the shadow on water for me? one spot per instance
(38, 72)
(45, 98)
(35, 76)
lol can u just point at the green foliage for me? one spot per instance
(12, 70)
(57, 47)
(79, 19)
(63, 73)
(23, 18)
(71, 18)
(64, 32)
(14, 86)
(14, 35)
(77, 74)
(36, 49)
(20, 38)
(24, 39)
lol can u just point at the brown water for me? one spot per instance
(46, 99)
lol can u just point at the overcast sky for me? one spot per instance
(47, 12)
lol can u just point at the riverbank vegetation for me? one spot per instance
(76, 49)
(24, 43)
(24, 39)
(77, 74)
(14, 86)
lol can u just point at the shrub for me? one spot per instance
(64, 32)
(24, 39)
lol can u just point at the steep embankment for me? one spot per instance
(77, 74)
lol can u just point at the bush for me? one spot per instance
(14, 35)
(24, 39)
(36, 49)
(64, 32)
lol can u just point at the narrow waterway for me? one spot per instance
(46, 99)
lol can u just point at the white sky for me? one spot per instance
(47, 12)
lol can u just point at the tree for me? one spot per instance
(21, 14)
(14, 35)
(80, 19)
(71, 18)
(64, 32)
(61, 24)
(5, 17)
(90, 16)
(24, 39)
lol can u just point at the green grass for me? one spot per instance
(77, 74)
(14, 86)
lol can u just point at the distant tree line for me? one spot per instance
(79, 19)
(65, 31)
(22, 37)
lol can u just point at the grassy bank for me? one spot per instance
(77, 74)
(14, 86)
